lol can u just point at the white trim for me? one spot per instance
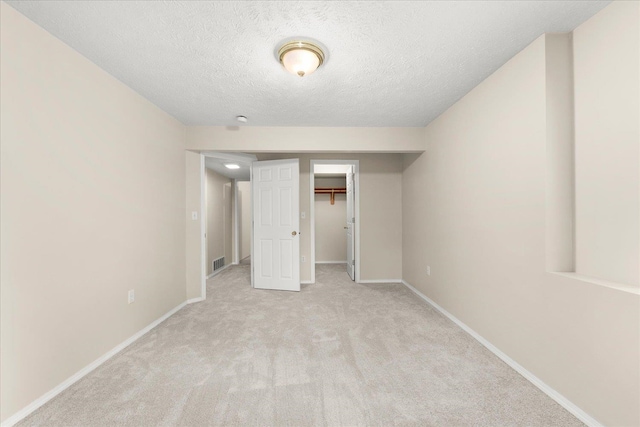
(632, 289)
(231, 156)
(312, 210)
(203, 230)
(560, 399)
(381, 281)
(27, 410)
(331, 262)
(251, 225)
(356, 172)
(219, 271)
(194, 300)
(236, 227)
(306, 282)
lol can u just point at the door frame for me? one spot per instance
(312, 216)
(203, 228)
(236, 227)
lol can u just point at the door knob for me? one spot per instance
(293, 233)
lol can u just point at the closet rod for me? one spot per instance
(332, 191)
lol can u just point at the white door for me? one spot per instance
(276, 224)
(350, 224)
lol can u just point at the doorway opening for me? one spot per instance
(334, 215)
(226, 202)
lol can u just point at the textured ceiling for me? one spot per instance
(389, 63)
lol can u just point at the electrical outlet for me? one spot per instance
(194, 215)
(303, 214)
(132, 296)
(304, 259)
(428, 270)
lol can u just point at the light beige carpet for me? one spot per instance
(336, 353)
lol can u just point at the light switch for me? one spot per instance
(194, 215)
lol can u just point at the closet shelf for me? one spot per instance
(332, 191)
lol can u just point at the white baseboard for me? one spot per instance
(193, 300)
(381, 281)
(306, 282)
(331, 262)
(219, 271)
(27, 410)
(560, 399)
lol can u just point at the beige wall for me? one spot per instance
(380, 217)
(93, 192)
(560, 185)
(474, 211)
(305, 139)
(194, 166)
(244, 206)
(218, 223)
(331, 237)
(607, 147)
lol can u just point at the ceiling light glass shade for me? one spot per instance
(232, 166)
(301, 58)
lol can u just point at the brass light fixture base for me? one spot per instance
(301, 45)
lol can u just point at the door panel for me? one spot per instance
(266, 258)
(266, 210)
(285, 207)
(276, 224)
(286, 261)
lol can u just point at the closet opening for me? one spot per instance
(334, 215)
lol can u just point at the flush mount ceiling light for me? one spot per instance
(232, 166)
(300, 57)
(241, 119)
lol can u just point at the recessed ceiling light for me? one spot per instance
(232, 166)
(300, 57)
(241, 119)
